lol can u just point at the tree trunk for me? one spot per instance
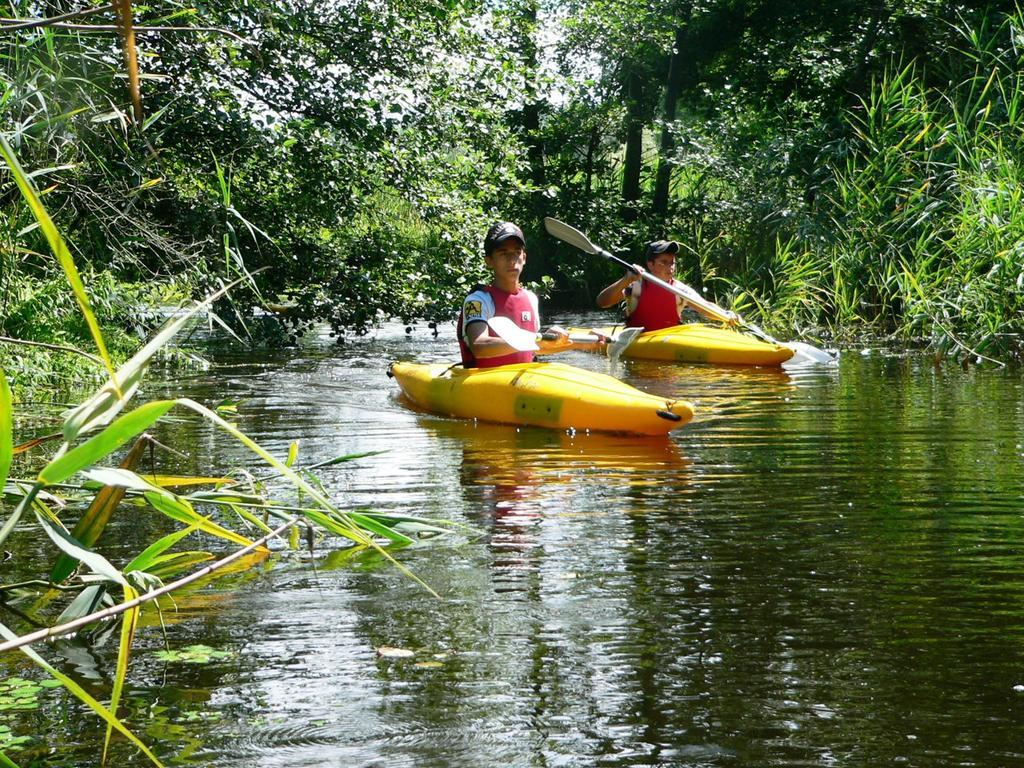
(531, 110)
(632, 164)
(663, 179)
(589, 166)
(535, 151)
(528, 120)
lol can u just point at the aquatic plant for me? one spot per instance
(78, 474)
(193, 654)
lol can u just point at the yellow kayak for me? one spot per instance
(540, 394)
(692, 343)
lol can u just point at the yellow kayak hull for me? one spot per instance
(540, 394)
(694, 343)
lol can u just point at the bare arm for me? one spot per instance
(616, 292)
(482, 344)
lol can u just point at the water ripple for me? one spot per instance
(824, 568)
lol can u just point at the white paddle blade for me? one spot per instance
(622, 342)
(519, 339)
(808, 354)
(803, 353)
(567, 234)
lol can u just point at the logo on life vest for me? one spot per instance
(526, 316)
(472, 309)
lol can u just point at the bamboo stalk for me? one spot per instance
(71, 626)
(8, 24)
(126, 27)
(14, 24)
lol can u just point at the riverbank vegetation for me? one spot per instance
(831, 167)
(83, 588)
(843, 167)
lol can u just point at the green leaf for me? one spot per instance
(96, 562)
(407, 522)
(178, 509)
(348, 529)
(148, 556)
(225, 497)
(350, 532)
(128, 625)
(88, 601)
(91, 525)
(293, 454)
(27, 500)
(163, 501)
(106, 442)
(99, 409)
(381, 530)
(120, 477)
(169, 565)
(88, 529)
(249, 517)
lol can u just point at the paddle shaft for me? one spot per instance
(576, 338)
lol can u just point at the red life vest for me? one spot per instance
(518, 308)
(655, 309)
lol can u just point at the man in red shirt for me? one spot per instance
(505, 256)
(649, 306)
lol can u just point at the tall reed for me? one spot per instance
(926, 216)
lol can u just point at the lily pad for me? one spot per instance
(19, 693)
(199, 716)
(194, 654)
(9, 740)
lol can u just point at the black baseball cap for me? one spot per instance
(500, 232)
(661, 246)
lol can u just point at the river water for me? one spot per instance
(826, 567)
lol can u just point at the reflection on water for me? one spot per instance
(543, 458)
(825, 568)
(513, 479)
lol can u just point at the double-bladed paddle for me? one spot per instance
(802, 352)
(522, 340)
